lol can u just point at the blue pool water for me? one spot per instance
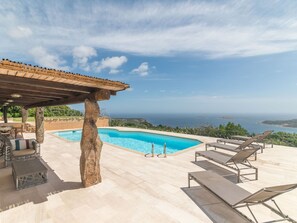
(139, 141)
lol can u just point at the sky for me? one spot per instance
(177, 56)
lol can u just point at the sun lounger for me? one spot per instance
(237, 197)
(237, 162)
(241, 146)
(235, 142)
(261, 137)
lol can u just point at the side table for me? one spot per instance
(28, 173)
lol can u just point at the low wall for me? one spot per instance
(59, 124)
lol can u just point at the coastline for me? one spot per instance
(252, 122)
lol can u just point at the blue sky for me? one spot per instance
(177, 56)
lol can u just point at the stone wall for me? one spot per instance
(75, 123)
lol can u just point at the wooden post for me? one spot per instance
(5, 114)
(90, 144)
(39, 124)
(24, 115)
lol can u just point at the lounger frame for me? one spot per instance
(238, 142)
(260, 139)
(234, 165)
(239, 147)
(241, 204)
(229, 148)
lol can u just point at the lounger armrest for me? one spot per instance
(285, 190)
(277, 191)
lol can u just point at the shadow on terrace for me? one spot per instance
(11, 198)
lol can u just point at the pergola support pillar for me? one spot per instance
(24, 115)
(5, 114)
(90, 144)
(39, 124)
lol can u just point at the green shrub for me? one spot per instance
(57, 111)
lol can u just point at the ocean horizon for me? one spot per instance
(251, 122)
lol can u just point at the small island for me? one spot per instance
(227, 117)
(285, 123)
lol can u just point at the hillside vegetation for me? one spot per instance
(52, 111)
(222, 131)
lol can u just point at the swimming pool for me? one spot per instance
(136, 140)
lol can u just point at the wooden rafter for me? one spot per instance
(44, 84)
(98, 96)
(34, 89)
(8, 94)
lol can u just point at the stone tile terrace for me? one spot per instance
(134, 188)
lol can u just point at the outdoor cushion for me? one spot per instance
(23, 152)
(20, 144)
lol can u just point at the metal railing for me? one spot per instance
(164, 152)
(160, 155)
(152, 154)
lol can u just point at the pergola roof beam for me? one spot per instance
(7, 95)
(37, 90)
(44, 84)
(17, 101)
(99, 96)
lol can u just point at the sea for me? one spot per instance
(251, 122)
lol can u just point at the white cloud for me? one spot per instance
(142, 70)
(81, 56)
(111, 63)
(45, 59)
(130, 89)
(212, 29)
(20, 32)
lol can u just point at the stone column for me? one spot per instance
(90, 145)
(24, 115)
(39, 124)
(5, 114)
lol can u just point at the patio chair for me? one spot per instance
(237, 197)
(261, 138)
(237, 162)
(241, 146)
(19, 149)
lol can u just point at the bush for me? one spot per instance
(64, 110)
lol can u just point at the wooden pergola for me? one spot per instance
(35, 87)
